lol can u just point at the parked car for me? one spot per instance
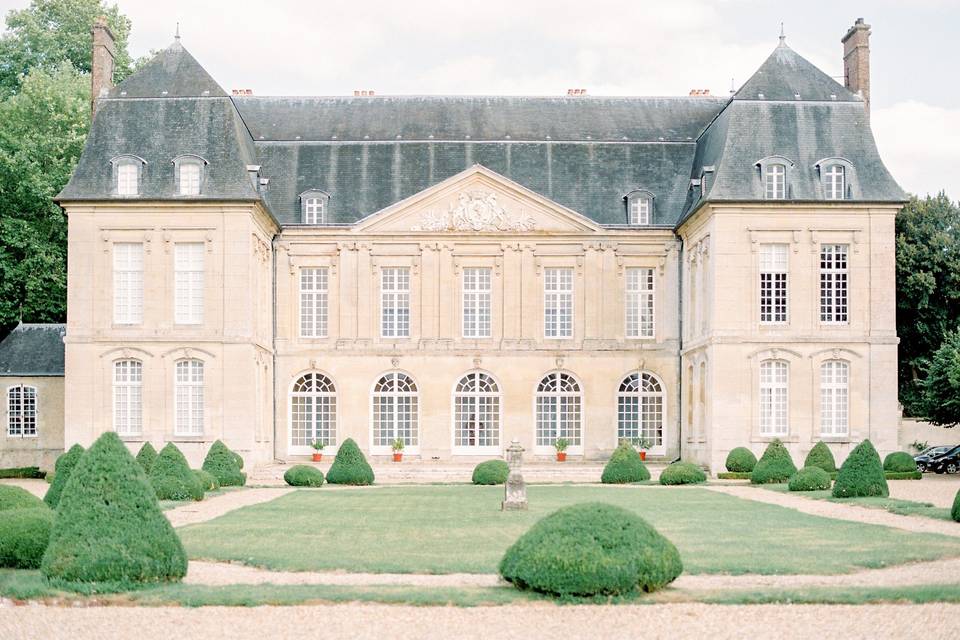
(924, 457)
(948, 462)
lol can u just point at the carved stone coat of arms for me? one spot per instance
(474, 211)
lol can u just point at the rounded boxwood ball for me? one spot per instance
(222, 464)
(491, 472)
(591, 549)
(741, 460)
(172, 478)
(302, 475)
(13, 497)
(63, 467)
(775, 465)
(821, 456)
(899, 462)
(350, 466)
(682, 473)
(24, 534)
(624, 466)
(861, 474)
(809, 479)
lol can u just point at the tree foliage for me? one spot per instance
(941, 386)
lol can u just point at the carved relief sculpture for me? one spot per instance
(474, 211)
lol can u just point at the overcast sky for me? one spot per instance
(544, 47)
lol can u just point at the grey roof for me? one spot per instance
(172, 73)
(33, 350)
(786, 75)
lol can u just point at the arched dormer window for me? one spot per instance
(189, 174)
(313, 206)
(775, 177)
(639, 207)
(835, 178)
(127, 171)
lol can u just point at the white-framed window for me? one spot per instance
(395, 302)
(834, 182)
(21, 411)
(834, 398)
(775, 181)
(833, 283)
(128, 178)
(559, 401)
(396, 412)
(128, 397)
(189, 178)
(188, 398)
(640, 403)
(774, 398)
(128, 283)
(188, 282)
(558, 302)
(313, 411)
(640, 207)
(315, 210)
(314, 283)
(476, 413)
(639, 302)
(773, 284)
(477, 286)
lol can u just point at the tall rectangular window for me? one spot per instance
(190, 179)
(558, 303)
(128, 397)
(21, 411)
(314, 211)
(639, 303)
(773, 283)
(833, 284)
(313, 302)
(476, 302)
(127, 175)
(188, 282)
(775, 182)
(128, 283)
(395, 302)
(834, 183)
(834, 395)
(774, 413)
(188, 398)
(640, 210)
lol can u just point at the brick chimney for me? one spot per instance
(101, 64)
(856, 60)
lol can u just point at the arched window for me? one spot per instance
(313, 411)
(21, 411)
(640, 403)
(559, 400)
(188, 398)
(774, 403)
(834, 398)
(128, 397)
(476, 413)
(396, 412)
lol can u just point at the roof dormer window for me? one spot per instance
(639, 207)
(775, 182)
(313, 206)
(189, 174)
(834, 182)
(126, 175)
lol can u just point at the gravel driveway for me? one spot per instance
(938, 490)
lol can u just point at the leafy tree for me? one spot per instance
(928, 288)
(941, 387)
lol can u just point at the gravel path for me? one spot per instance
(535, 620)
(214, 507)
(935, 489)
(841, 511)
(35, 486)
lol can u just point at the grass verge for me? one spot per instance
(893, 505)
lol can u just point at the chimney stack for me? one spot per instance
(856, 60)
(101, 63)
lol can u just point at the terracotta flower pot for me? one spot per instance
(397, 457)
(561, 456)
(317, 457)
(643, 454)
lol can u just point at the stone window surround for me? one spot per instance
(788, 165)
(792, 359)
(850, 184)
(36, 410)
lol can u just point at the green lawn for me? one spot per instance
(461, 529)
(893, 505)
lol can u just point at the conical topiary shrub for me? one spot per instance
(350, 467)
(14, 498)
(172, 478)
(624, 466)
(861, 474)
(491, 472)
(109, 528)
(741, 460)
(821, 456)
(775, 465)
(591, 549)
(146, 457)
(221, 463)
(899, 462)
(62, 469)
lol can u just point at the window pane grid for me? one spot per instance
(128, 397)
(835, 182)
(833, 283)
(834, 398)
(189, 179)
(395, 411)
(188, 398)
(558, 303)
(188, 283)
(477, 412)
(395, 302)
(22, 411)
(314, 211)
(775, 180)
(558, 410)
(313, 411)
(127, 175)
(314, 302)
(639, 303)
(773, 283)
(640, 210)
(773, 398)
(476, 302)
(128, 283)
(640, 410)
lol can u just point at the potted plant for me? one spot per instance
(318, 446)
(397, 447)
(561, 445)
(643, 445)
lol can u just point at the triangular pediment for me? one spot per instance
(480, 201)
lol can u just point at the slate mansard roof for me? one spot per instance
(33, 350)
(585, 153)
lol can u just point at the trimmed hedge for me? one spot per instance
(899, 462)
(775, 465)
(172, 478)
(682, 473)
(62, 469)
(350, 467)
(109, 527)
(861, 474)
(733, 475)
(146, 457)
(624, 466)
(206, 480)
(302, 475)
(491, 472)
(591, 549)
(22, 472)
(821, 456)
(955, 511)
(809, 479)
(222, 464)
(24, 535)
(740, 460)
(903, 475)
(13, 498)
